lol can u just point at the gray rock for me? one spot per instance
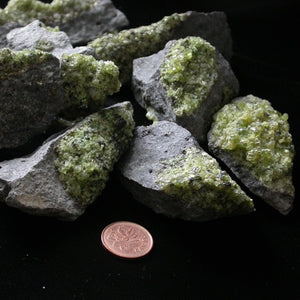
(102, 18)
(258, 149)
(122, 49)
(31, 184)
(36, 185)
(35, 36)
(151, 94)
(31, 95)
(4, 30)
(166, 170)
(212, 26)
(82, 20)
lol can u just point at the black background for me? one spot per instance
(250, 257)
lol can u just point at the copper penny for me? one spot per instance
(127, 239)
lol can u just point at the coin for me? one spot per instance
(127, 239)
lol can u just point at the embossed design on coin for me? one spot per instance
(127, 239)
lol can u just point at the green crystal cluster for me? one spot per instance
(196, 178)
(87, 154)
(123, 47)
(56, 12)
(87, 81)
(258, 136)
(188, 73)
(13, 63)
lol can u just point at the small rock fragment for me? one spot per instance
(168, 171)
(82, 20)
(69, 172)
(253, 140)
(31, 95)
(36, 36)
(186, 82)
(87, 82)
(36, 88)
(123, 47)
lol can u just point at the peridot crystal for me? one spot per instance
(188, 73)
(87, 154)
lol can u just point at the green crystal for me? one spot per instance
(87, 81)
(87, 154)
(188, 74)
(196, 178)
(13, 63)
(123, 47)
(56, 12)
(258, 137)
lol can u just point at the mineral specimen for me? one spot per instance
(35, 89)
(82, 20)
(186, 82)
(31, 95)
(123, 47)
(168, 171)
(253, 140)
(68, 172)
(36, 36)
(87, 81)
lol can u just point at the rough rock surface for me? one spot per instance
(4, 30)
(125, 46)
(34, 184)
(35, 36)
(31, 95)
(83, 21)
(104, 17)
(158, 173)
(151, 94)
(266, 168)
(213, 27)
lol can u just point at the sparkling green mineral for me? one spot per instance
(196, 178)
(87, 154)
(58, 11)
(123, 47)
(258, 137)
(188, 73)
(13, 63)
(87, 81)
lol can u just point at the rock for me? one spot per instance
(123, 47)
(102, 18)
(36, 36)
(83, 21)
(4, 30)
(177, 84)
(36, 88)
(253, 140)
(31, 95)
(212, 27)
(87, 81)
(69, 171)
(168, 171)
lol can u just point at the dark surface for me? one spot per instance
(250, 257)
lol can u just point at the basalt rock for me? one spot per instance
(186, 82)
(123, 47)
(31, 96)
(36, 36)
(82, 20)
(36, 88)
(167, 170)
(68, 172)
(253, 140)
